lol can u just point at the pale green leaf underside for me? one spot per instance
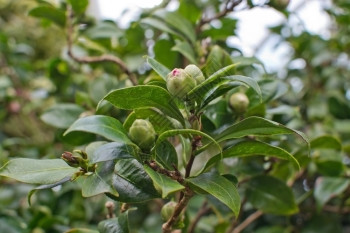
(34, 171)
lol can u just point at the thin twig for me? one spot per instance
(178, 209)
(203, 211)
(93, 59)
(175, 175)
(254, 216)
(228, 8)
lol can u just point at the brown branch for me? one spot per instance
(93, 59)
(336, 209)
(203, 210)
(196, 142)
(175, 175)
(254, 216)
(229, 7)
(178, 209)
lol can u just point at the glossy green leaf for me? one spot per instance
(143, 97)
(157, 67)
(186, 50)
(163, 183)
(218, 58)
(177, 22)
(62, 115)
(248, 61)
(98, 182)
(219, 187)
(166, 155)
(114, 150)
(329, 187)
(330, 167)
(200, 90)
(115, 225)
(271, 195)
(162, 26)
(325, 142)
(175, 132)
(53, 14)
(104, 126)
(228, 26)
(104, 30)
(325, 223)
(79, 6)
(132, 182)
(257, 126)
(251, 148)
(228, 83)
(34, 171)
(159, 121)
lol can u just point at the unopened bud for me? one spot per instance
(179, 83)
(142, 133)
(239, 102)
(195, 73)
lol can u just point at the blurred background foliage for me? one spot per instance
(43, 90)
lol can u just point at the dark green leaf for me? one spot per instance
(132, 182)
(175, 132)
(219, 187)
(257, 126)
(325, 142)
(329, 187)
(105, 126)
(271, 195)
(157, 67)
(114, 150)
(98, 182)
(34, 171)
(62, 115)
(218, 58)
(251, 148)
(329, 167)
(161, 25)
(115, 225)
(200, 91)
(163, 183)
(166, 155)
(186, 50)
(143, 97)
(164, 55)
(79, 6)
(53, 14)
(228, 83)
(177, 22)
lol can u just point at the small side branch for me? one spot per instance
(93, 59)
(229, 7)
(175, 175)
(254, 216)
(167, 227)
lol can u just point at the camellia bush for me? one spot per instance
(163, 127)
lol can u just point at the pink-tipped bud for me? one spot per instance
(179, 83)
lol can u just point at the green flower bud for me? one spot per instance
(179, 83)
(71, 160)
(239, 102)
(168, 211)
(142, 133)
(195, 72)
